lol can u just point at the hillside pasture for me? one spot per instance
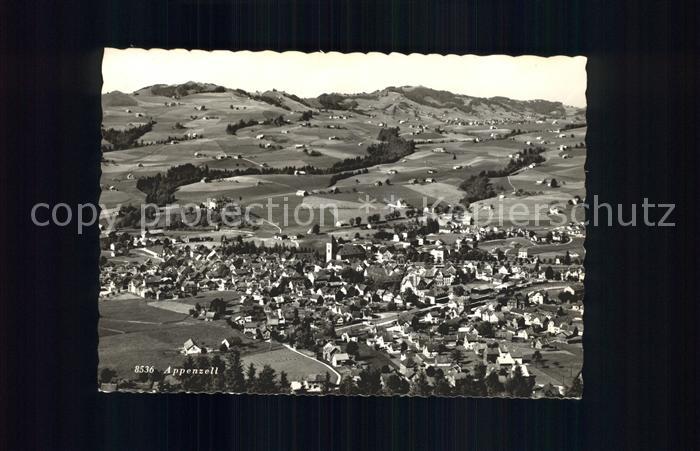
(160, 345)
(389, 108)
(281, 359)
(129, 316)
(451, 194)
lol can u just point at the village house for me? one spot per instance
(190, 348)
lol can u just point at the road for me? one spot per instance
(272, 224)
(387, 319)
(333, 371)
(251, 161)
(511, 184)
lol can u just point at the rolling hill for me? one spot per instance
(409, 101)
(456, 136)
(117, 98)
(417, 99)
(181, 90)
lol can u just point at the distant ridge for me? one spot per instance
(182, 90)
(118, 98)
(410, 99)
(399, 101)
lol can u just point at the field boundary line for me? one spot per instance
(315, 360)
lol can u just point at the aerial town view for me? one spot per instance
(407, 240)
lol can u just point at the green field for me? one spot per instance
(134, 333)
(560, 366)
(296, 366)
(353, 134)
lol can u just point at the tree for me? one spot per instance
(456, 355)
(327, 382)
(443, 329)
(316, 229)
(549, 273)
(347, 386)
(186, 378)
(470, 387)
(388, 134)
(485, 329)
(421, 386)
(250, 379)
(500, 255)
(352, 348)
(397, 385)
(518, 385)
(567, 258)
(218, 305)
(537, 357)
(442, 387)
(494, 387)
(477, 187)
(193, 382)
(415, 323)
(404, 346)
(266, 380)
(218, 381)
(284, 384)
(370, 382)
(480, 371)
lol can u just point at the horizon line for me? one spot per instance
(527, 77)
(348, 94)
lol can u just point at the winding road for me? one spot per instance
(511, 184)
(333, 371)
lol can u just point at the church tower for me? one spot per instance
(331, 249)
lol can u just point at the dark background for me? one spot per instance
(641, 314)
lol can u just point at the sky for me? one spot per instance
(559, 78)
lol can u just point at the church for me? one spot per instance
(335, 251)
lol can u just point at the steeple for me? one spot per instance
(331, 249)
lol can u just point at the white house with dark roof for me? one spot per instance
(190, 347)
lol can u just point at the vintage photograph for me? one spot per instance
(342, 224)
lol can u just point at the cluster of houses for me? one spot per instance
(357, 283)
(450, 338)
(177, 268)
